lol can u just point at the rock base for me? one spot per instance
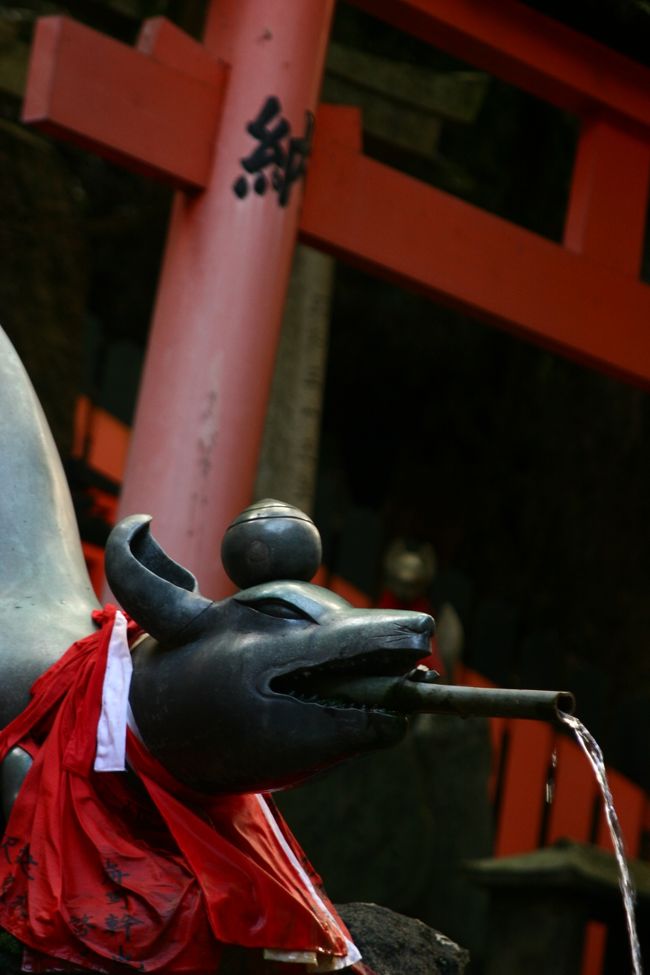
(392, 944)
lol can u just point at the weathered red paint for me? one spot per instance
(531, 51)
(165, 43)
(157, 118)
(609, 195)
(521, 810)
(398, 228)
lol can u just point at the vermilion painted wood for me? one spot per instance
(531, 51)
(106, 97)
(399, 228)
(609, 195)
(100, 439)
(108, 445)
(339, 123)
(572, 811)
(162, 41)
(594, 949)
(207, 375)
(522, 796)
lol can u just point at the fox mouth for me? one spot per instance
(324, 684)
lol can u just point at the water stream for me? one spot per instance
(592, 750)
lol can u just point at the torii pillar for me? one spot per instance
(209, 365)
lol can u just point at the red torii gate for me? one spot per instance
(178, 110)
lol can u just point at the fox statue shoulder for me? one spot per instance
(45, 595)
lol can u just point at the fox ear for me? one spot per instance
(161, 595)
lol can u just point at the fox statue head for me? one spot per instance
(226, 694)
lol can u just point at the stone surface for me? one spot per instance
(392, 944)
(579, 867)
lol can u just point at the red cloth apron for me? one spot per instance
(100, 872)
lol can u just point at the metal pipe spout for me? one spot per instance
(418, 692)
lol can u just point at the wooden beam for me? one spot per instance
(521, 809)
(609, 195)
(121, 104)
(527, 49)
(166, 43)
(399, 228)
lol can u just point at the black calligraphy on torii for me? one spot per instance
(279, 160)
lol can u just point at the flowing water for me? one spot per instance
(592, 750)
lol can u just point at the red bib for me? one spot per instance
(102, 872)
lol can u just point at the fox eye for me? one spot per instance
(280, 610)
